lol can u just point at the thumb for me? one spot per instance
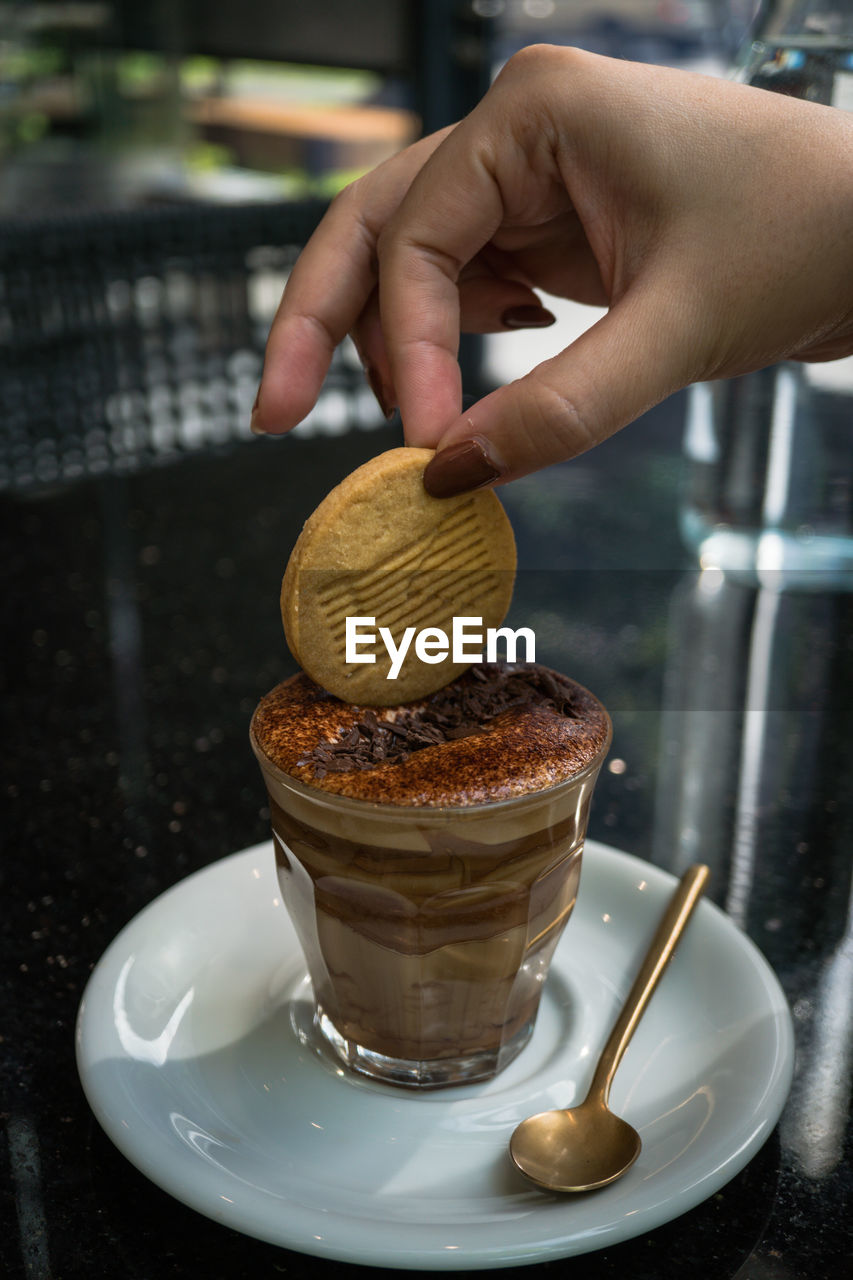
(631, 359)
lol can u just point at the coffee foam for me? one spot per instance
(521, 751)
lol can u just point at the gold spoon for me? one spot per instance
(588, 1146)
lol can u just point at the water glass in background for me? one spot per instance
(770, 455)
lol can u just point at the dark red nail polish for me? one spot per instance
(254, 423)
(460, 468)
(377, 386)
(527, 318)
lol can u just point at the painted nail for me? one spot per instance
(254, 426)
(459, 468)
(527, 318)
(384, 398)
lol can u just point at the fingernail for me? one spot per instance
(384, 397)
(460, 468)
(254, 425)
(528, 317)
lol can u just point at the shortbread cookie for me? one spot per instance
(379, 546)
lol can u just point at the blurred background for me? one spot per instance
(161, 165)
(108, 103)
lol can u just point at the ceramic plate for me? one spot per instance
(197, 1053)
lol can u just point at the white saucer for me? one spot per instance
(197, 1054)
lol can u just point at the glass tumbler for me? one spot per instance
(428, 932)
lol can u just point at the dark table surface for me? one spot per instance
(141, 625)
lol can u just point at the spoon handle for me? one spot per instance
(660, 952)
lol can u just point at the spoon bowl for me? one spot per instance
(587, 1146)
(577, 1150)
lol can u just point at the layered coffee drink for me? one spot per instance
(429, 855)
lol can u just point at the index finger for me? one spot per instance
(449, 213)
(328, 288)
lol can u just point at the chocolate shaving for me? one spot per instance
(458, 711)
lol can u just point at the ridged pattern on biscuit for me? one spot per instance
(420, 584)
(396, 610)
(446, 547)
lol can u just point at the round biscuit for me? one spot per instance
(379, 546)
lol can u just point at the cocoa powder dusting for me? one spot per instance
(460, 711)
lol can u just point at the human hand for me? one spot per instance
(713, 220)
